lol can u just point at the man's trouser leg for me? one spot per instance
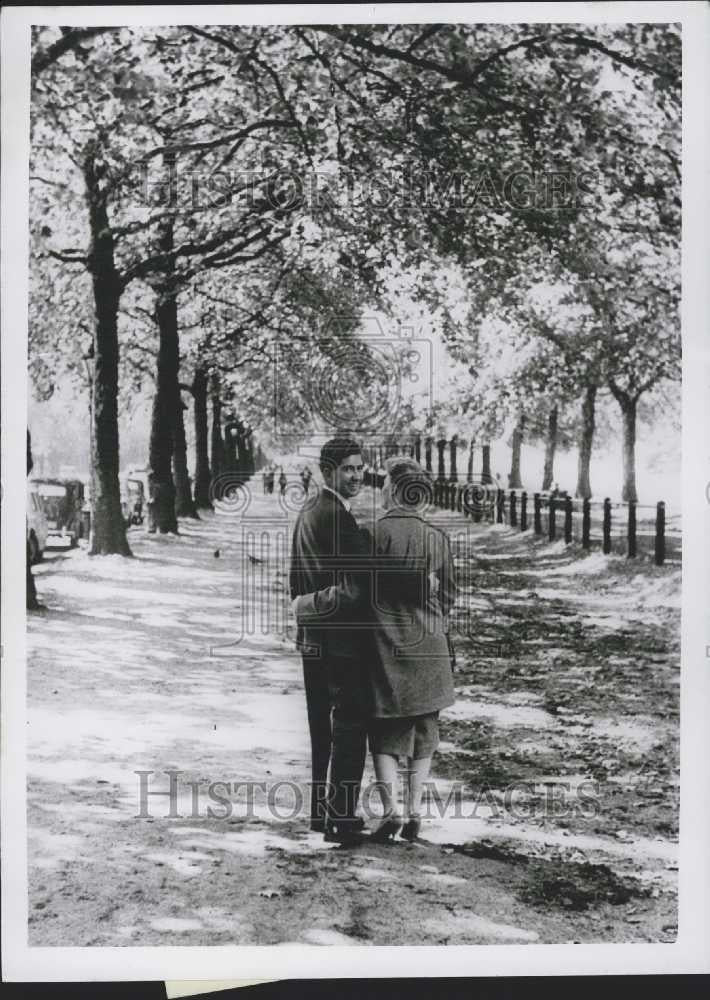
(349, 694)
(315, 679)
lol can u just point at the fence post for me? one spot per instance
(476, 503)
(459, 499)
(500, 505)
(631, 531)
(551, 526)
(513, 509)
(537, 514)
(469, 467)
(606, 542)
(586, 523)
(568, 520)
(523, 511)
(660, 547)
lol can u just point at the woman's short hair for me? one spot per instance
(411, 483)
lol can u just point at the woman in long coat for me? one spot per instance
(415, 589)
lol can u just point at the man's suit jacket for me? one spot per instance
(329, 553)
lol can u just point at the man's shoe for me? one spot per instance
(346, 834)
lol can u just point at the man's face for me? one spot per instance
(347, 478)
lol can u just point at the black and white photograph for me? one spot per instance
(349, 369)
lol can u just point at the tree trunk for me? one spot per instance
(246, 444)
(486, 474)
(202, 461)
(230, 447)
(514, 480)
(628, 411)
(251, 464)
(184, 504)
(31, 602)
(167, 389)
(162, 429)
(441, 464)
(217, 443)
(586, 438)
(550, 448)
(108, 529)
(242, 451)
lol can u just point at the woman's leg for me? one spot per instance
(417, 773)
(386, 774)
(391, 823)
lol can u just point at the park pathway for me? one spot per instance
(182, 660)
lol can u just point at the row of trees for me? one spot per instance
(206, 200)
(592, 309)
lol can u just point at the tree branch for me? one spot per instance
(206, 144)
(75, 258)
(69, 41)
(456, 74)
(584, 42)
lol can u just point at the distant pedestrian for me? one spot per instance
(31, 601)
(282, 482)
(306, 476)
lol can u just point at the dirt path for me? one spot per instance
(179, 660)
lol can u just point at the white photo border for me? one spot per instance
(689, 953)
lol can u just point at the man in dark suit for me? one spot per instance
(329, 554)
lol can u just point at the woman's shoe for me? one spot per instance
(412, 828)
(388, 828)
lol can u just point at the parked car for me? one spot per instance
(134, 496)
(62, 500)
(36, 525)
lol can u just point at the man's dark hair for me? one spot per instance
(334, 451)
